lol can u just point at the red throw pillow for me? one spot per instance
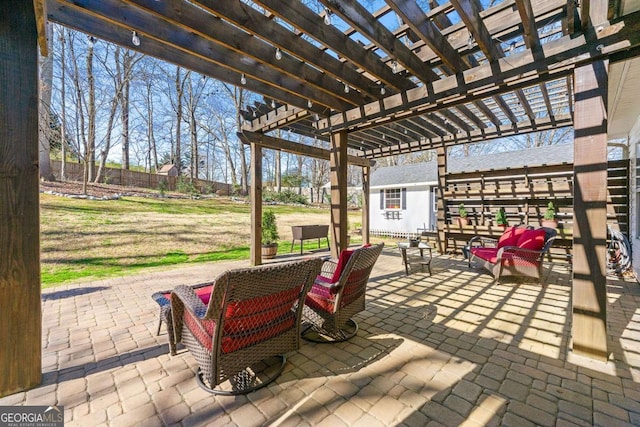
(342, 262)
(511, 236)
(532, 239)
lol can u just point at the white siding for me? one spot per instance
(416, 215)
(634, 200)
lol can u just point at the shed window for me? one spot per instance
(392, 198)
(395, 198)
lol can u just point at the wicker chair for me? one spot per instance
(338, 294)
(509, 256)
(251, 321)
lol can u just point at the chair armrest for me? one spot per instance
(184, 298)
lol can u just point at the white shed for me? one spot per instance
(403, 198)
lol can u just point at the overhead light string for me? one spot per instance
(134, 38)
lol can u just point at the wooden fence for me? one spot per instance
(524, 194)
(128, 178)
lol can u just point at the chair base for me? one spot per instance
(316, 334)
(249, 379)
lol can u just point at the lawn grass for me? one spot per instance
(89, 239)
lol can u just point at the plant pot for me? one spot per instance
(550, 223)
(269, 251)
(463, 221)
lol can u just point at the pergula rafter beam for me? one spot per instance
(295, 148)
(517, 71)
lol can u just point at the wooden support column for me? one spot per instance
(441, 152)
(589, 326)
(256, 204)
(338, 164)
(20, 314)
(366, 176)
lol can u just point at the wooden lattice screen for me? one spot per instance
(524, 194)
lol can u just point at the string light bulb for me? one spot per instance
(243, 79)
(327, 16)
(278, 54)
(346, 88)
(273, 103)
(470, 41)
(383, 90)
(135, 39)
(309, 104)
(394, 66)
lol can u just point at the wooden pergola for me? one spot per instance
(408, 77)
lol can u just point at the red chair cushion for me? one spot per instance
(487, 254)
(204, 330)
(252, 313)
(249, 321)
(511, 236)
(342, 262)
(532, 239)
(324, 291)
(204, 293)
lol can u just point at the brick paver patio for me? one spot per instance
(449, 349)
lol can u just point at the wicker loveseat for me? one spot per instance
(251, 320)
(518, 252)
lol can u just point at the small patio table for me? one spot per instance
(420, 254)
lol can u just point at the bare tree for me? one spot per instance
(46, 84)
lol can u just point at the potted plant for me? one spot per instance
(269, 235)
(462, 212)
(501, 218)
(549, 218)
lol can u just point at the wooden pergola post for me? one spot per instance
(256, 204)
(366, 176)
(589, 325)
(441, 153)
(338, 164)
(20, 315)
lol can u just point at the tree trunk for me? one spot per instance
(44, 114)
(90, 152)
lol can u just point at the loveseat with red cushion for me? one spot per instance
(518, 252)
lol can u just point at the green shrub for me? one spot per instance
(550, 213)
(462, 211)
(269, 228)
(163, 186)
(501, 217)
(186, 186)
(286, 196)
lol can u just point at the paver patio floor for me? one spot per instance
(448, 349)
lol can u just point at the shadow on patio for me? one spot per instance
(452, 348)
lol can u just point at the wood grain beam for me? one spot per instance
(296, 148)
(359, 17)
(529, 25)
(306, 21)
(428, 32)
(153, 25)
(469, 12)
(119, 34)
(517, 71)
(482, 135)
(186, 15)
(258, 24)
(39, 7)
(21, 314)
